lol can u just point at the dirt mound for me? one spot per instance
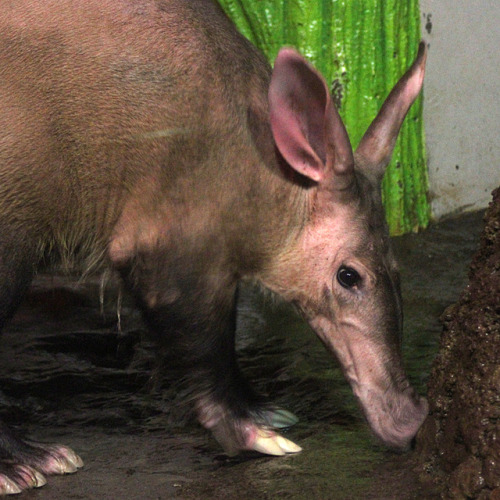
(460, 440)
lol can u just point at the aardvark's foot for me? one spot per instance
(257, 433)
(26, 465)
(271, 443)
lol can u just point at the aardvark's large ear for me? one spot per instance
(307, 128)
(375, 149)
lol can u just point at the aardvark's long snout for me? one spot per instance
(393, 409)
(394, 416)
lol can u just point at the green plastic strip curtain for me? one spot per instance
(362, 47)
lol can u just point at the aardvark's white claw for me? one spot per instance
(287, 446)
(279, 419)
(270, 443)
(72, 457)
(31, 476)
(28, 478)
(8, 487)
(62, 460)
(40, 479)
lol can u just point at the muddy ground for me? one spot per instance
(68, 374)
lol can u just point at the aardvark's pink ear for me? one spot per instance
(307, 128)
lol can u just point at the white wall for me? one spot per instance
(462, 102)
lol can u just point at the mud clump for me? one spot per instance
(459, 443)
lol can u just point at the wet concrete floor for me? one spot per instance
(68, 374)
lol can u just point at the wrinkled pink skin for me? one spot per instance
(151, 138)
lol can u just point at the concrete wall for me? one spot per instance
(462, 102)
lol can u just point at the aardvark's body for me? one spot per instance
(150, 137)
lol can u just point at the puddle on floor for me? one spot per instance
(68, 375)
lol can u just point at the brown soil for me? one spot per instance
(460, 441)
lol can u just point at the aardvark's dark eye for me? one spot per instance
(348, 277)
